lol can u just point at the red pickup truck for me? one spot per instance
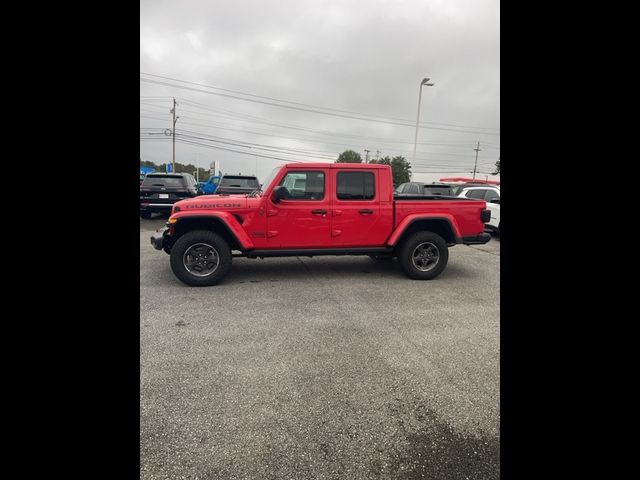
(308, 209)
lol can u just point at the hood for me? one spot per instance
(217, 202)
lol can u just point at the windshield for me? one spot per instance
(231, 181)
(269, 179)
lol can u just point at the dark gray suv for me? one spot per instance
(159, 191)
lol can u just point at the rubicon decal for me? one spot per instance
(213, 205)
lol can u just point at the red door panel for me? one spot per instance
(303, 220)
(357, 217)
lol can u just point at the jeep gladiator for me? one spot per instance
(309, 209)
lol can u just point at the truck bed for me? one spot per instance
(463, 214)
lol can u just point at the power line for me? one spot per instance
(331, 155)
(312, 110)
(320, 132)
(243, 116)
(416, 168)
(317, 107)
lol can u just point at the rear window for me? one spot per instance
(438, 190)
(231, 181)
(163, 181)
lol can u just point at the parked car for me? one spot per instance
(159, 191)
(488, 193)
(210, 186)
(419, 188)
(457, 188)
(336, 209)
(234, 184)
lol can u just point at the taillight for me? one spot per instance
(485, 216)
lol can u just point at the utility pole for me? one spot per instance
(366, 157)
(477, 149)
(175, 119)
(377, 153)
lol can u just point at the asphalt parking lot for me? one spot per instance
(325, 367)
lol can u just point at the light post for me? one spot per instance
(425, 81)
(175, 119)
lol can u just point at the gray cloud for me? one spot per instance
(362, 56)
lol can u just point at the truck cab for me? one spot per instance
(319, 209)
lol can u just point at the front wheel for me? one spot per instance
(423, 255)
(200, 258)
(145, 214)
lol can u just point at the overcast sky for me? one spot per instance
(325, 61)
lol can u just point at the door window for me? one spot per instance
(355, 186)
(304, 185)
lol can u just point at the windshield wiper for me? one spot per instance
(254, 193)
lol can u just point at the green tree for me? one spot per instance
(400, 168)
(383, 161)
(497, 172)
(349, 156)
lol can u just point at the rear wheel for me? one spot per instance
(200, 258)
(423, 255)
(145, 214)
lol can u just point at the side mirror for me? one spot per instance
(495, 200)
(279, 193)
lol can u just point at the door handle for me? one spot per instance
(365, 212)
(319, 211)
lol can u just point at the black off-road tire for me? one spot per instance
(431, 244)
(188, 240)
(145, 214)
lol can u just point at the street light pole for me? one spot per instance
(415, 141)
(175, 119)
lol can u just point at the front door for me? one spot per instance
(303, 219)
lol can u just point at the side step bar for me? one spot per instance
(312, 252)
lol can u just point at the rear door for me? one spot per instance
(356, 209)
